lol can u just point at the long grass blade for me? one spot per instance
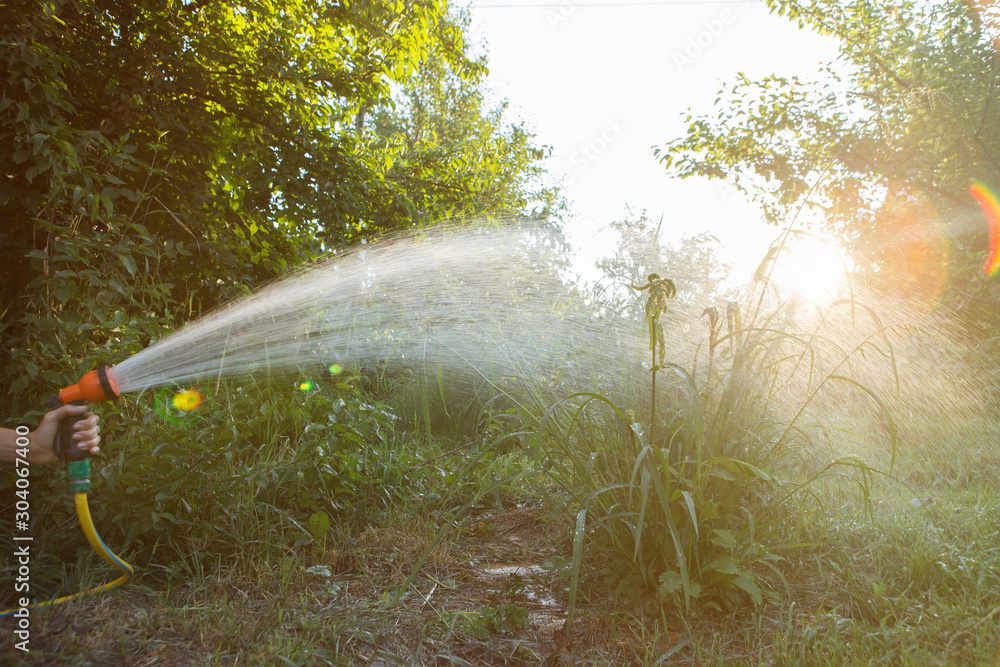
(578, 534)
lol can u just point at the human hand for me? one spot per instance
(86, 433)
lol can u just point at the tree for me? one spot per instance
(160, 157)
(458, 157)
(882, 149)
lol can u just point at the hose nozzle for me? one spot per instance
(95, 387)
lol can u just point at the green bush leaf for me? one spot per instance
(747, 582)
(724, 539)
(319, 525)
(725, 565)
(64, 292)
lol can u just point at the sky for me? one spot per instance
(604, 81)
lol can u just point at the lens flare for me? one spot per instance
(187, 400)
(306, 385)
(335, 369)
(991, 208)
(910, 249)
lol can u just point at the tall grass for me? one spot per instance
(697, 514)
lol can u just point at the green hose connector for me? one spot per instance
(79, 476)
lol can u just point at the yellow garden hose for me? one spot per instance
(83, 511)
(80, 482)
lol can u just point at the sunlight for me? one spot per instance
(811, 269)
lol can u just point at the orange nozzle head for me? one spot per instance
(96, 386)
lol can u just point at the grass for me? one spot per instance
(917, 587)
(335, 527)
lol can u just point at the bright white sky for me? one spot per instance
(603, 81)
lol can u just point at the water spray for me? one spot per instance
(480, 306)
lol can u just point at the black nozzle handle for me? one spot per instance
(64, 445)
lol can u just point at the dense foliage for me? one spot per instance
(159, 158)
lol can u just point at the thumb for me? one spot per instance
(54, 416)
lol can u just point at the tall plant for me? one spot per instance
(698, 515)
(660, 290)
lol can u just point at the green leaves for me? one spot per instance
(911, 105)
(161, 160)
(666, 513)
(723, 539)
(319, 525)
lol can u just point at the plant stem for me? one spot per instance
(652, 398)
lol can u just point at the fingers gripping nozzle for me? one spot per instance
(63, 445)
(96, 386)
